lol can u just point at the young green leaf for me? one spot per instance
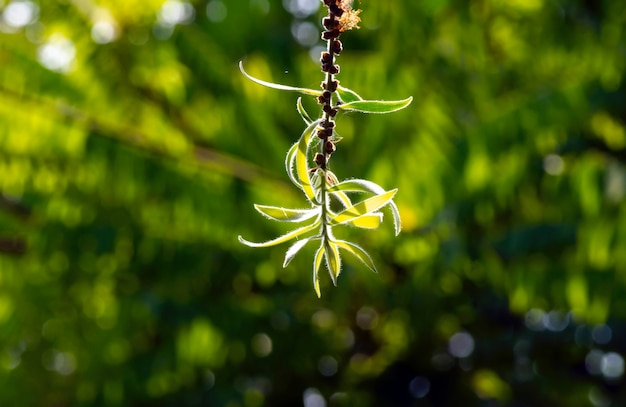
(286, 214)
(278, 86)
(333, 260)
(363, 208)
(362, 185)
(357, 185)
(358, 252)
(290, 163)
(371, 221)
(302, 169)
(317, 262)
(295, 248)
(376, 106)
(331, 179)
(281, 239)
(303, 113)
(347, 95)
(343, 198)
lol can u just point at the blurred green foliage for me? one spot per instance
(131, 151)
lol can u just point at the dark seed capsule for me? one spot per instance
(332, 86)
(329, 110)
(336, 47)
(320, 159)
(335, 9)
(324, 133)
(329, 147)
(327, 35)
(328, 124)
(333, 69)
(329, 23)
(324, 98)
(326, 58)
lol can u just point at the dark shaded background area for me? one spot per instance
(132, 150)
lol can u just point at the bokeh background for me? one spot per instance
(132, 150)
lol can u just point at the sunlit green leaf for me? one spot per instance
(331, 179)
(317, 262)
(357, 185)
(278, 86)
(333, 260)
(286, 214)
(347, 95)
(343, 198)
(290, 164)
(376, 106)
(284, 238)
(295, 248)
(358, 252)
(362, 185)
(371, 221)
(364, 207)
(302, 168)
(303, 113)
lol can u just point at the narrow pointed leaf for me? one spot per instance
(281, 239)
(376, 106)
(331, 180)
(286, 214)
(362, 185)
(317, 262)
(278, 86)
(343, 198)
(347, 95)
(363, 208)
(358, 252)
(371, 221)
(290, 163)
(357, 185)
(302, 169)
(333, 260)
(303, 113)
(295, 248)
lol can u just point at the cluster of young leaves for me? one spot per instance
(324, 192)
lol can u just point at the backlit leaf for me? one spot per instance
(333, 260)
(286, 214)
(317, 262)
(376, 106)
(361, 185)
(290, 163)
(303, 113)
(284, 238)
(302, 169)
(278, 86)
(295, 248)
(371, 221)
(358, 252)
(364, 207)
(343, 198)
(347, 95)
